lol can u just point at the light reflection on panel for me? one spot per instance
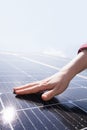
(67, 111)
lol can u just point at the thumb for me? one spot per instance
(48, 95)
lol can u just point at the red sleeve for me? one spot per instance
(84, 46)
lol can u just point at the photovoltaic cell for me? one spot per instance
(67, 111)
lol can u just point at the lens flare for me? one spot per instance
(8, 114)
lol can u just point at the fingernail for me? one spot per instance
(14, 92)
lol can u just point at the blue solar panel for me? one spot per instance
(67, 111)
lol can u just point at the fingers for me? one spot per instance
(50, 94)
(25, 86)
(29, 90)
(32, 87)
(54, 88)
(31, 84)
(22, 88)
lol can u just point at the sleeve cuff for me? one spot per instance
(83, 47)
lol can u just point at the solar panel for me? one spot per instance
(67, 111)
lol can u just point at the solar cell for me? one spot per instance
(67, 111)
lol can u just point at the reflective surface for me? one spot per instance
(8, 114)
(67, 111)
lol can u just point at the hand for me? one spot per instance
(57, 83)
(54, 85)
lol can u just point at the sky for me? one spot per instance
(49, 26)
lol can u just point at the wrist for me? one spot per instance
(68, 73)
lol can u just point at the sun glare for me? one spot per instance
(8, 114)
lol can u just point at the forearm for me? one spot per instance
(76, 66)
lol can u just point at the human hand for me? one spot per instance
(54, 85)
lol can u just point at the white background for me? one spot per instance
(55, 26)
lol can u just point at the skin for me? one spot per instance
(58, 82)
